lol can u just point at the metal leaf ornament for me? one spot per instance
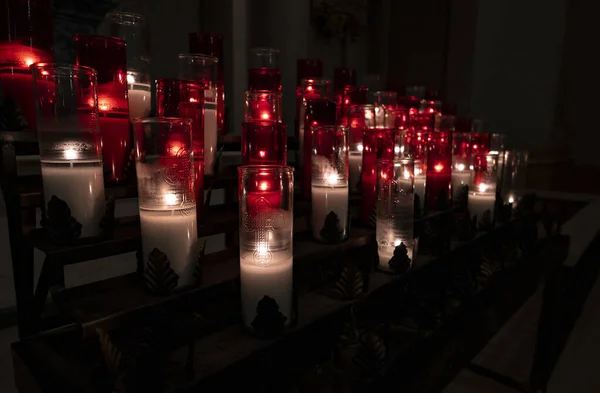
(400, 262)
(332, 231)
(111, 354)
(488, 269)
(350, 284)
(269, 321)
(58, 222)
(159, 278)
(371, 354)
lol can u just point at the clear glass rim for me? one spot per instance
(60, 68)
(96, 37)
(133, 18)
(198, 56)
(262, 49)
(315, 81)
(162, 120)
(253, 169)
(260, 93)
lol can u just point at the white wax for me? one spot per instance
(174, 233)
(273, 279)
(210, 140)
(81, 185)
(355, 167)
(459, 179)
(389, 236)
(419, 186)
(139, 101)
(326, 200)
(480, 202)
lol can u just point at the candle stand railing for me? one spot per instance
(361, 328)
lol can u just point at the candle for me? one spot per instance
(330, 210)
(81, 185)
(481, 205)
(173, 232)
(273, 279)
(210, 138)
(355, 163)
(460, 177)
(139, 99)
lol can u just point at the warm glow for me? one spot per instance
(263, 186)
(332, 178)
(29, 61)
(170, 199)
(460, 167)
(438, 167)
(130, 78)
(71, 154)
(262, 249)
(471, 167)
(511, 199)
(483, 187)
(264, 116)
(309, 88)
(397, 149)
(192, 99)
(397, 242)
(359, 148)
(262, 153)
(406, 174)
(418, 171)
(174, 148)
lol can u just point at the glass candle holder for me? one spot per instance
(262, 105)
(439, 164)
(26, 38)
(107, 55)
(342, 77)
(165, 178)
(330, 218)
(368, 180)
(264, 143)
(386, 108)
(395, 212)
(360, 117)
(515, 175)
(211, 44)
(462, 163)
(184, 98)
(264, 72)
(203, 70)
(413, 144)
(308, 69)
(317, 112)
(482, 199)
(266, 232)
(70, 143)
(132, 28)
(313, 89)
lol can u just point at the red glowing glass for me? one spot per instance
(107, 56)
(319, 112)
(264, 72)
(359, 118)
(308, 68)
(343, 77)
(262, 105)
(211, 44)
(26, 39)
(346, 99)
(264, 143)
(378, 143)
(310, 89)
(185, 99)
(439, 164)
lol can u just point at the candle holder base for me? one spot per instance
(350, 285)
(159, 278)
(269, 321)
(61, 227)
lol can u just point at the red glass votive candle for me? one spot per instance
(183, 98)
(310, 89)
(264, 72)
(307, 69)
(211, 44)
(350, 96)
(359, 118)
(386, 108)
(319, 112)
(107, 56)
(262, 105)
(264, 143)
(26, 39)
(439, 164)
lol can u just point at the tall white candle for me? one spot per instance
(460, 178)
(139, 99)
(81, 185)
(210, 140)
(174, 232)
(419, 187)
(480, 202)
(327, 199)
(273, 279)
(355, 169)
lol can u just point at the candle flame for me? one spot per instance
(438, 167)
(192, 99)
(332, 178)
(262, 249)
(264, 116)
(483, 187)
(397, 242)
(263, 186)
(29, 61)
(460, 167)
(511, 199)
(397, 149)
(71, 154)
(406, 174)
(170, 199)
(359, 148)
(130, 78)
(262, 154)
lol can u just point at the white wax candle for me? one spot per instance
(210, 140)
(389, 236)
(273, 279)
(139, 100)
(327, 199)
(355, 167)
(419, 187)
(173, 232)
(81, 186)
(479, 202)
(460, 179)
